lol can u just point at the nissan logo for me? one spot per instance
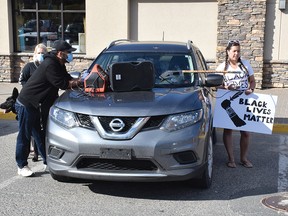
(116, 125)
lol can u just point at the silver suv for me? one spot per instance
(158, 134)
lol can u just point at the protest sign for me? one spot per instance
(237, 111)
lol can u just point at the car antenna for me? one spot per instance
(163, 36)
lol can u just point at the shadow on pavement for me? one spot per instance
(8, 127)
(228, 183)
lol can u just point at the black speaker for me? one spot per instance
(132, 76)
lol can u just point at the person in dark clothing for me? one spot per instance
(25, 74)
(30, 67)
(41, 88)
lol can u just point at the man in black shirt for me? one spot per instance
(41, 88)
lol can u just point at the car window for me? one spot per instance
(170, 68)
(201, 63)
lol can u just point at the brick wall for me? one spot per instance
(79, 64)
(275, 74)
(6, 69)
(243, 20)
(10, 66)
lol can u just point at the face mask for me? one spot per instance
(40, 58)
(69, 57)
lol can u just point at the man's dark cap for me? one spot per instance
(61, 45)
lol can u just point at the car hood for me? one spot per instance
(159, 101)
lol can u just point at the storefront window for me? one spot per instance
(44, 21)
(73, 5)
(50, 4)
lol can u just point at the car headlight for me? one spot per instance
(179, 121)
(63, 117)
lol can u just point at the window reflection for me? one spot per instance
(26, 4)
(74, 30)
(49, 23)
(49, 4)
(74, 5)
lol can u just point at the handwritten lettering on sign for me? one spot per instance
(237, 111)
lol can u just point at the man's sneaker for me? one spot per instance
(45, 168)
(25, 171)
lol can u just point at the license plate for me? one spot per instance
(111, 153)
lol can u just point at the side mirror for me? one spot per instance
(213, 80)
(75, 74)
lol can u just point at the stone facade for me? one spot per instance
(10, 66)
(244, 21)
(275, 74)
(79, 64)
(7, 72)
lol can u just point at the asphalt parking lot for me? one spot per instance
(238, 192)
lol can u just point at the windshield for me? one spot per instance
(171, 69)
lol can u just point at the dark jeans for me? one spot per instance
(29, 124)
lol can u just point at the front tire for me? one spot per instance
(206, 179)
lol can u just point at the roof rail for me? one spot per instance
(115, 41)
(189, 44)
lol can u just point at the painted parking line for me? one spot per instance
(277, 129)
(9, 181)
(35, 169)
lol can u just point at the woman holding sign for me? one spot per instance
(239, 77)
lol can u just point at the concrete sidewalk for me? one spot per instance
(281, 115)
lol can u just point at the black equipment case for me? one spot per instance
(131, 76)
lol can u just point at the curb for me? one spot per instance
(7, 116)
(280, 128)
(277, 129)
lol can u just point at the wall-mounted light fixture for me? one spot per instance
(282, 4)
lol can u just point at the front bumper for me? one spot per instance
(156, 155)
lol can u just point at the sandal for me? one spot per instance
(246, 164)
(231, 164)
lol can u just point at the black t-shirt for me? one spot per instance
(27, 72)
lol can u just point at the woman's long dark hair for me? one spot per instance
(240, 63)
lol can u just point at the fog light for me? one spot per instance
(185, 157)
(55, 152)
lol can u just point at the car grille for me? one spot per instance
(85, 120)
(110, 164)
(153, 122)
(129, 121)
